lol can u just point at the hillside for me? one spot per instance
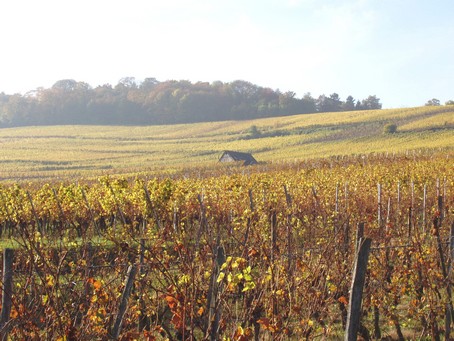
(86, 151)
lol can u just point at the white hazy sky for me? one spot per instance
(402, 51)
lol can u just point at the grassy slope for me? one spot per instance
(68, 151)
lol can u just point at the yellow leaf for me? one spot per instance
(50, 280)
(220, 277)
(332, 287)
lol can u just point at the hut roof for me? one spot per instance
(230, 155)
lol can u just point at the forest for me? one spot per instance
(151, 102)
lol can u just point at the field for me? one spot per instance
(65, 152)
(136, 233)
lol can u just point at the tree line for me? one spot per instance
(150, 102)
(436, 102)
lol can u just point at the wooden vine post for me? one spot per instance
(444, 267)
(116, 329)
(288, 199)
(144, 322)
(379, 209)
(7, 291)
(213, 299)
(356, 291)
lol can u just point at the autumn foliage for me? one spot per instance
(249, 255)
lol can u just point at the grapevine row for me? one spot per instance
(254, 255)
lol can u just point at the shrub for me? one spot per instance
(254, 132)
(390, 128)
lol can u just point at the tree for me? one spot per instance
(65, 85)
(359, 105)
(309, 103)
(433, 102)
(287, 103)
(128, 82)
(371, 103)
(349, 104)
(17, 111)
(335, 98)
(329, 104)
(244, 89)
(450, 102)
(148, 84)
(254, 132)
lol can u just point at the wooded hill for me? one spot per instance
(152, 102)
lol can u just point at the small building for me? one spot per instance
(231, 156)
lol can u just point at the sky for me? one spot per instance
(401, 51)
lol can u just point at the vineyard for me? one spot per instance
(244, 254)
(75, 152)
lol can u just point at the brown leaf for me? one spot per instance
(343, 300)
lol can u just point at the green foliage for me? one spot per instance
(370, 103)
(390, 128)
(333, 103)
(254, 132)
(433, 102)
(152, 102)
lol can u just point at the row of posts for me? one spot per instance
(354, 310)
